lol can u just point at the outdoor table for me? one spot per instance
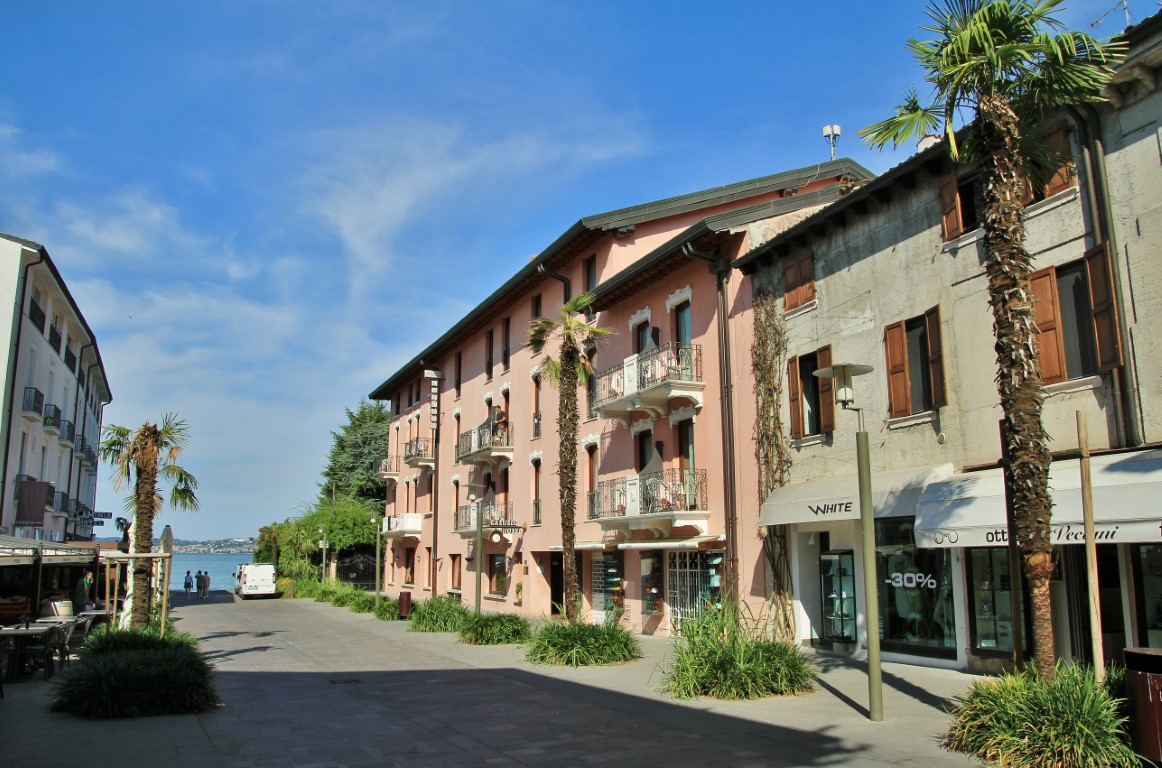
(20, 638)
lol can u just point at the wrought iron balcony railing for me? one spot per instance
(649, 493)
(33, 403)
(52, 417)
(493, 515)
(483, 441)
(67, 431)
(670, 362)
(417, 448)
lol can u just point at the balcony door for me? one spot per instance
(686, 461)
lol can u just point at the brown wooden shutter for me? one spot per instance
(1100, 270)
(950, 207)
(793, 398)
(1060, 177)
(807, 277)
(899, 388)
(935, 357)
(826, 392)
(791, 292)
(1049, 343)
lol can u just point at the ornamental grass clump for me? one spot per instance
(723, 654)
(578, 645)
(305, 588)
(440, 614)
(1020, 720)
(343, 594)
(495, 629)
(136, 673)
(362, 603)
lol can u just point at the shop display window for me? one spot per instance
(608, 576)
(1148, 566)
(651, 572)
(990, 596)
(837, 587)
(917, 615)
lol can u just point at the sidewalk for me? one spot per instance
(308, 684)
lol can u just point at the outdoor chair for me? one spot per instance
(40, 652)
(66, 640)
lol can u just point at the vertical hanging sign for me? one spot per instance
(434, 409)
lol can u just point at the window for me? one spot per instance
(409, 565)
(497, 576)
(798, 281)
(683, 333)
(915, 593)
(810, 397)
(1057, 172)
(537, 492)
(1077, 320)
(488, 342)
(536, 406)
(590, 282)
(459, 372)
(454, 565)
(431, 568)
(506, 351)
(641, 337)
(536, 306)
(915, 365)
(591, 386)
(645, 449)
(958, 205)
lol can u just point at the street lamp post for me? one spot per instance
(323, 544)
(479, 545)
(378, 520)
(842, 374)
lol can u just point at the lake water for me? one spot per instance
(220, 567)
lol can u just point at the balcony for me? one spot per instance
(388, 470)
(68, 432)
(657, 501)
(16, 481)
(409, 524)
(485, 444)
(36, 315)
(651, 382)
(536, 511)
(417, 454)
(52, 419)
(60, 503)
(496, 519)
(33, 404)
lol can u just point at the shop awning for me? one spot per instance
(581, 546)
(18, 551)
(968, 510)
(894, 494)
(694, 542)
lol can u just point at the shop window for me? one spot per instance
(1076, 317)
(837, 590)
(798, 281)
(810, 397)
(917, 615)
(1148, 572)
(497, 575)
(915, 363)
(608, 582)
(454, 565)
(990, 609)
(651, 575)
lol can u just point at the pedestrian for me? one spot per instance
(189, 583)
(199, 583)
(205, 585)
(81, 593)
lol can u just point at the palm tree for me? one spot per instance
(149, 454)
(1005, 63)
(571, 367)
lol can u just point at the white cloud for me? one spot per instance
(18, 162)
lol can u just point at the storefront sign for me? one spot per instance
(911, 580)
(1110, 532)
(838, 508)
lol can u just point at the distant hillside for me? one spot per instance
(211, 546)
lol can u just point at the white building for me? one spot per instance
(54, 390)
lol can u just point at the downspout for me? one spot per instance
(1097, 192)
(721, 269)
(73, 450)
(558, 276)
(433, 567)
(10, 397)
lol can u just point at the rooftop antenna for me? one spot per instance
(831, 136)
(1125, 6)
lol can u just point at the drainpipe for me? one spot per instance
(73, 450)
(1097, 193)
(721, 269)
(433, 567)
(10, 397)
(558, 276)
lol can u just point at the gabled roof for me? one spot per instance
(43, 252)
(590, 229)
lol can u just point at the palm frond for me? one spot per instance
(912, 121)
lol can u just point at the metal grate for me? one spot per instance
(688, 583)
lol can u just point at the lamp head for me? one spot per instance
(843, 373)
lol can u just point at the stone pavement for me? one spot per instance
(306, 684)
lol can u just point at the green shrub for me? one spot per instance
(362, 603)
(285, 586)
(724, 655)
(1020, 720)
(494, 629)
(306, 588)
(578, 645)
(440, 614)
(135, 673)
(387, 610)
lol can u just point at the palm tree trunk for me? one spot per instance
(567, 421)
(1008, 267)
(142, 543)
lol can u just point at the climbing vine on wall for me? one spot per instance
(768, 363)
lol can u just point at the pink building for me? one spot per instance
(667, 512)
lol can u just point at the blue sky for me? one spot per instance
(264, 208)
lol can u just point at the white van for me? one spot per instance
(255, 580)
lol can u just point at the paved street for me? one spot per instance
(308, 684)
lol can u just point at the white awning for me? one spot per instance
(894, 494)
(968, 510)
(582, 546)
(695, 542)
